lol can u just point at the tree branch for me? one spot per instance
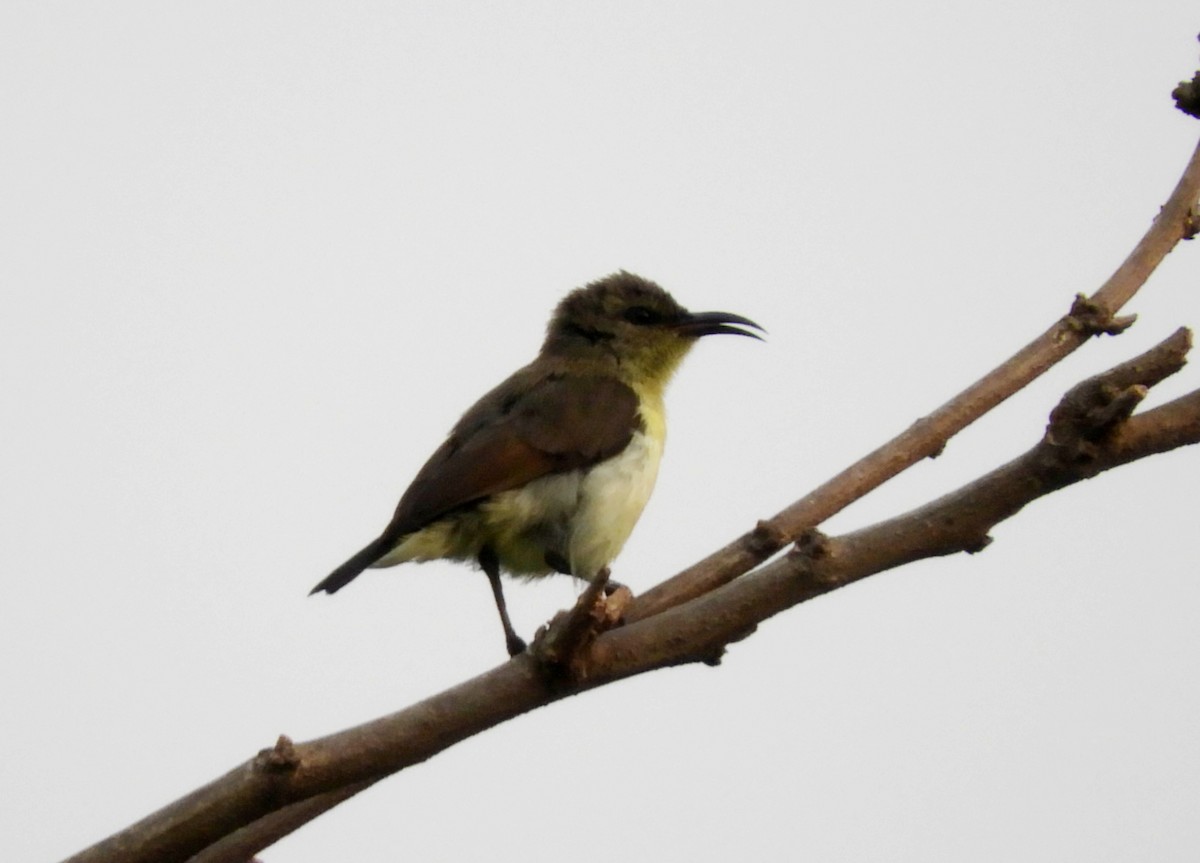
(287, 785)
(956, 522)
(694, 616)
(241, 845)
(927, 437)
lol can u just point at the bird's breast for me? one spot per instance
(612, 496)
(583, 516)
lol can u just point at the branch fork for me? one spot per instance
(561, 646)
(1093, 319)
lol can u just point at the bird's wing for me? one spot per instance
(530, 426)
(556, 423)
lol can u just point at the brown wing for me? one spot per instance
(532, 425)
(528, 427)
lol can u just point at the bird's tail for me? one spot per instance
(349, 570)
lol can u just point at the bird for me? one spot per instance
(550, 470)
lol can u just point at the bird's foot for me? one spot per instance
(516, 645)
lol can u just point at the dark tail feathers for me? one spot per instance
(349, 570)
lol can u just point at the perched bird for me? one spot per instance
(550, 470)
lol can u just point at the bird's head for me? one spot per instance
(631, 323)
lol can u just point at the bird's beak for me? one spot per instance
(710, 323)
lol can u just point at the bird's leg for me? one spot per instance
(491, 566)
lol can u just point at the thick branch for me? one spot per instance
(287, 785)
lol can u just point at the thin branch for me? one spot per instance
(927, 437)
(241, 845)
(959, 521)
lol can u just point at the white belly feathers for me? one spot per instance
(612, 497)
(581, 516)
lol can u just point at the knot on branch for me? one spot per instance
(712, 658)
(1092, 319)
(812, 545)
(1087, 414)
(765, 539)
(1191, 224)
(978, 545)
(1093, 409)
(560, 648)
(280, 758)
(1187, 96)
(809, 552)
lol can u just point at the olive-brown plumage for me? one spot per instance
(550, 470)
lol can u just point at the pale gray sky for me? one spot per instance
(256, 259)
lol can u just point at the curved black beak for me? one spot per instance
(710, 323)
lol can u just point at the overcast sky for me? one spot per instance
(257, 257)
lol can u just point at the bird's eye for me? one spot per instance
(641, 316)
